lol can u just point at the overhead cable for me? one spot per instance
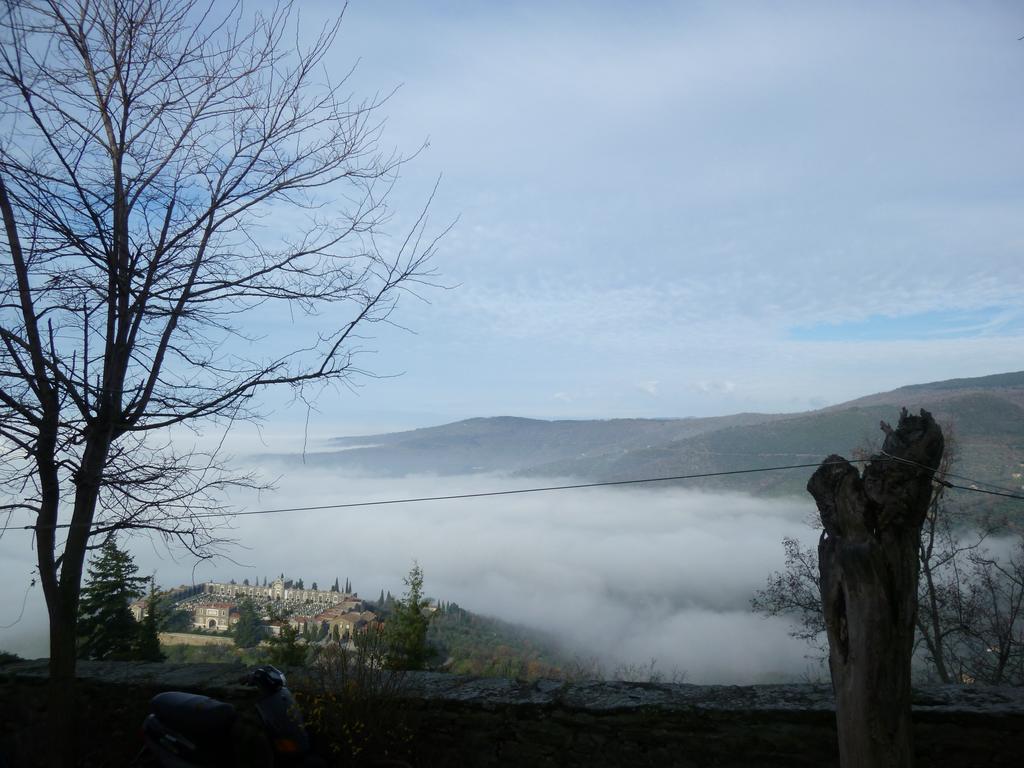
(1005, 493)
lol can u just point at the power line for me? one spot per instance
(455, 496)
(1005, 493)
(1017, 496)
(1011, 492)
(21, 613)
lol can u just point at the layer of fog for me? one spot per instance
(621, 576)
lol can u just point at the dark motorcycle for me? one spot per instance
(184, 730)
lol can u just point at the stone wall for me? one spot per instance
(461, 721)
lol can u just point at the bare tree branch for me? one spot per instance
(168, 168)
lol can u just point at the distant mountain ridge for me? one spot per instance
(985, 415)
(514, 444)
(1009, 385)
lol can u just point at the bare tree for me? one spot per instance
(945, 553)
(970, 622)
(970, 615)
(794, 592)
(165, 173)
(992, 637)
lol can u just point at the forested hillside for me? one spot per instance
(984, 415)
(468, 643)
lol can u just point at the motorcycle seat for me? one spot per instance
(199, 718)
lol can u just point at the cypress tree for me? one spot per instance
(285, 648)
(106, 628)
(147, 647)
(249, 629)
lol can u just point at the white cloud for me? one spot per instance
(650, 387)
(716, 387)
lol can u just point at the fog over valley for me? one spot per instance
(625, 576)
(619, 576)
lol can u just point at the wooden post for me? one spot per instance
(868, 563)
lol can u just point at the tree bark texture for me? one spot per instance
(868, 564)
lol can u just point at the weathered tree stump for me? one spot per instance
(868, 563)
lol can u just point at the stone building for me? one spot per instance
(215, 616)
(139, 609)
(347, 621)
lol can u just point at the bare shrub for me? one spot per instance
(351, 703)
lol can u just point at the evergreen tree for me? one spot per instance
(264, 581)
(106, 628)
(324, 631)
(406, 628)
(348, 586)
(176, 620)
(335, 587)
(249, 629)
(147, 646)
(245, 582)
(315, 588)
(285, 648)
(299, 585)
(380, 600)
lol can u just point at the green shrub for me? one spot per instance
(286, 649)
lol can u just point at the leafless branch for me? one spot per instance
(167, 169)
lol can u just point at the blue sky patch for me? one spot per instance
(953, 324)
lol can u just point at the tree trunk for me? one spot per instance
(868, 564)
(61, 693)
(62, 601)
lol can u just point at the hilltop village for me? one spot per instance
(216, 607)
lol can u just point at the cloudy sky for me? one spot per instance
(696, 208)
